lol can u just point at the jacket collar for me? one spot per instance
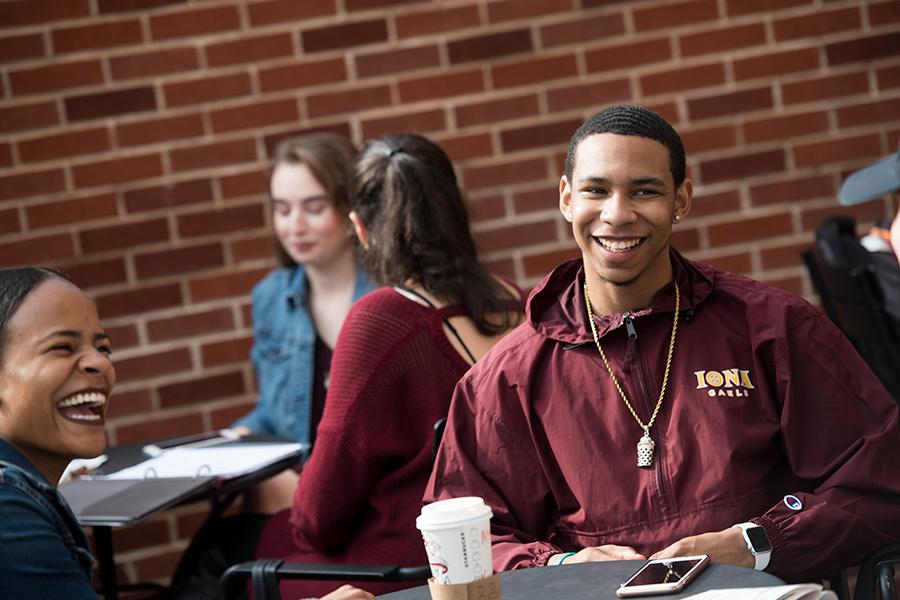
(9, 454)
(556, 308)
(297, 289)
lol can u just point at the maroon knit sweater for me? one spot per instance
(392, 377)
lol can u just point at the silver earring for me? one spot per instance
(676, 218)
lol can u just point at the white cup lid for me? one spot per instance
(453, 512)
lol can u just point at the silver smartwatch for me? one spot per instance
(758, 544)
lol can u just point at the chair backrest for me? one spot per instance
(844, 275)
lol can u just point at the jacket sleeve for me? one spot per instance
(257, 420)
(487, 452)
(841, 438)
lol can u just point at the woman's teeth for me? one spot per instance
(91, 399)
(619, 245)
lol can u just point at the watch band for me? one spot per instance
(760, 555)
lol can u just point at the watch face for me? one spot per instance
(759, 539)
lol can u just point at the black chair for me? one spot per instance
(847, 281)
(877, 574)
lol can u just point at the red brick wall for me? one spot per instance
(134, 135)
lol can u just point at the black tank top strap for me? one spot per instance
(409, 292)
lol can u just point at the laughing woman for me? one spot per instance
(55, 379)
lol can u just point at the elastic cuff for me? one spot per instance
(540, 559)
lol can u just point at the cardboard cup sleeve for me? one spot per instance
(480, 589)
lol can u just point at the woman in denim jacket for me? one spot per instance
(55, 379)
(298, 309)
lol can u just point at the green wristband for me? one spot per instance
(563, 557)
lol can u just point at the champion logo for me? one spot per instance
(793, 502)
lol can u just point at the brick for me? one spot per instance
(348, 100)
(397, 61)
(673, 15)
(64, 145)
(115, 6)
(170, 195)
(621, 56)
(138, 300)
(505, 173)
(76, 210)
(888, 77)
(492, 111)
(534, 71)
(512, 10)
(154, 63)
(226, 352)
(817, 24)
(345, 35)
(750, 229)
(152, 131)
(36, 250)
(146, 534)
(249, 49)
(35, 183)
(213, 155)
(686, 240)
(487, 46)
(236, 218)
(207, 89)
(782, 128)
(790, 191)
(884, 13)
(32, 12)
(592, 94)
(745, 165)
(793, 285)
(429, 22)
(821, 88)
(718, 203)
(532, 200)
(56, 76)
(353, 5)
(258, 114)
(6, 158)
(783, 255)
(777, 63)
(419, 122)
(109, 34)
(108, 104)
(122, 236)
(708, 138)
(726, 38)
(144, 431)
(117, 170)
(130, 402)
(253, 248)
(580, 30)
(272, 140)
(189, 23)
(21, 47)
(190, 325)
(863, 49)
(684, 78)
(302, 74)
(512, 236)
(287, 11)
(744, 7)
(225, 286)
(28, 116)
(837, 150)
(441, 86)
(244, 184)
(485, 208)
(538, 265)
(9, 221)
(732, 263)
(204, 389)
(870, 112)
(462, 147)
(730, 104)
(536, 136)
(866, 212)
(88, 274)
(177, 261)
(225, 416)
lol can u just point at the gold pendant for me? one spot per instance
(645, 449)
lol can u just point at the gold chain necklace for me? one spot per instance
(646, 444)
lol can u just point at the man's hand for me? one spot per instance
(726, 546)
(601, 553)
(348, 592)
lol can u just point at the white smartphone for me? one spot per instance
(663, 576)
(191, 441)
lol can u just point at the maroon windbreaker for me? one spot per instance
(766, 398)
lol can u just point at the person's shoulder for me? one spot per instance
(514, 351)
(276, 281)
(762, 301)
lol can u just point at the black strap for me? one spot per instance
(446, 322)
(264, 575)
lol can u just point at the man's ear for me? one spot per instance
(683, 197)
(565, 198)
(360, 229)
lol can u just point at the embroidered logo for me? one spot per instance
(728, 382)
(793, 502)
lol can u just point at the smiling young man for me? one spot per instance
(653, 406)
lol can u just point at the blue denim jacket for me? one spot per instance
(284, 341)
(43, 551)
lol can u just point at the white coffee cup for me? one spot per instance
(457, 535)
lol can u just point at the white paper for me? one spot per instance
(225, 462)
(801, 591)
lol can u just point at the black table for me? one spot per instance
(598, 581)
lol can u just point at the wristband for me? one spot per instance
(563, 557)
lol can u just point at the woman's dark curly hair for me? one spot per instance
(418, 230)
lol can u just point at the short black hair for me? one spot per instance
(15, 285)
(628, 119)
